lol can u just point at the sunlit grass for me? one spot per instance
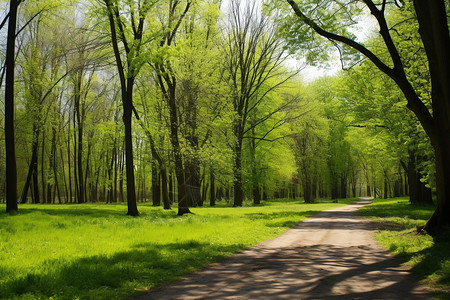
(95, 251)
(429, 258)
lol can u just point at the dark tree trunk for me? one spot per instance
(256, 194)
(192, 179)
(32, 169)
(43, 177)
(54, 166)
(165, 196)
(156, 188)
(419, 194)
(212, 188)
(80, 138)
(343, 187)
(183, 205)
(114, 199)
(307, 193)
(10, 149)
(237, 173)
(126, 83)
(127, 102)
(433, 28)
(122, 159)
(69, 159)
(170, 188)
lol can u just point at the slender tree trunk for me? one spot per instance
(11, 169)
(69, 167)
(127, 102)
(54, 165)
(170, 188)
(115, 170)
(81, 187)
(165, 195)
(237, 173)
(32, 169)
(156, 188)
(212, 188)
(122, 159)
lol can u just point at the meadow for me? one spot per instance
(95, 251)
(428, 258)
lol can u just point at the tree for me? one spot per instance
(131, 38)
(254, 55)
(167, 82)
(433, 28)
(11, 170)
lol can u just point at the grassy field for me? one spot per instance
(429, 258)
(95, 251)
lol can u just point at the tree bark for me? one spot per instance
(433, 29)
(419, 194)
(237, 173)
(127, 102)
(10, 149)
(156, 188)
(212, 187)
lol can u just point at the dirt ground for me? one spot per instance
(331, 255)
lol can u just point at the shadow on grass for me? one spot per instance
(397, 209)
(431, 264)
(86, 210)
(117, 276)
(433, 260)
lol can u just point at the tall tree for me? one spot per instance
(253, 59)
(129, 32)
(167, 82)
(11, 169)
(329, 19)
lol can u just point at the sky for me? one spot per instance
(310, 73)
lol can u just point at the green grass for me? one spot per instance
(95, 251)
(428, 258)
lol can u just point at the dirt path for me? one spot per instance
(331, 255)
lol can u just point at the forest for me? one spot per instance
(190, 102)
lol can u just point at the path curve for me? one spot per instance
(330, 255)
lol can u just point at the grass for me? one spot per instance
(428, 258)
(95, 251)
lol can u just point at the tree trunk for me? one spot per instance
(33, 168)
(127, 102)
(212, 189)
(183, 205)
(165, 194)
(156, 188)
(170, 188)
(419, 194)
(237, 173)
(433, 28)
(10, 149)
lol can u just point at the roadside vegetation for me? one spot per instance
(428, 258)
(94, 251)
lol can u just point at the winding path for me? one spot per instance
(331, 255)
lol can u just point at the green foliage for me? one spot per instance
(95, 251)
(429, 258)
